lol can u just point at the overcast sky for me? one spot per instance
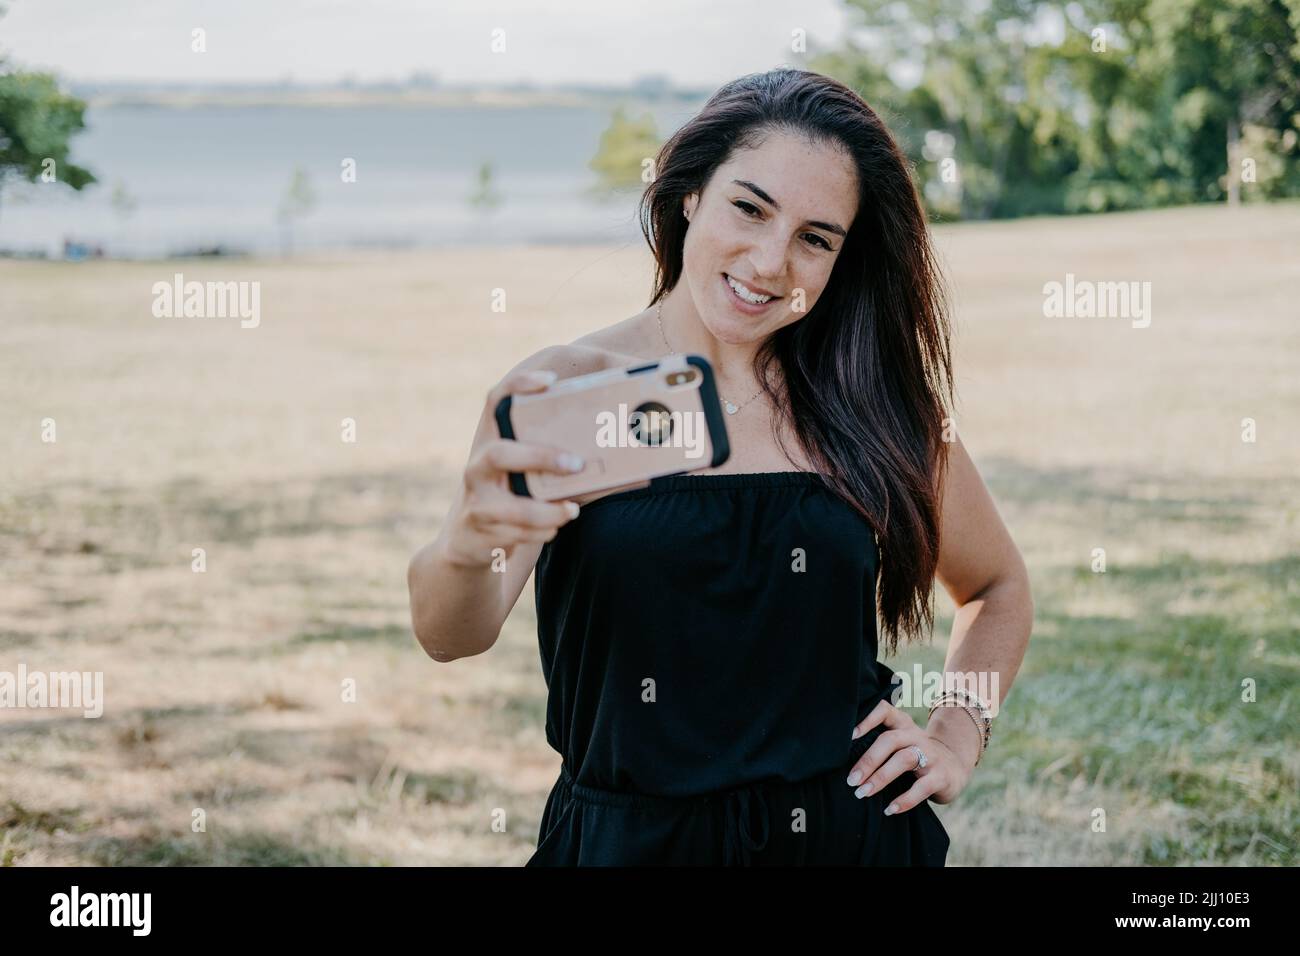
(693, 42)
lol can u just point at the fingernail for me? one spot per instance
(572, 507)
(862, 791)
(571, 462)
(857, 732)
(544, 375)
(892, 808)
(855, 778)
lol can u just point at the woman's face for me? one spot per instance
(773, 219)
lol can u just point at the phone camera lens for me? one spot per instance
(650, 424)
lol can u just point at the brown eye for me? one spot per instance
(747, 208)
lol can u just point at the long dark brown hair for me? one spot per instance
(866, 372)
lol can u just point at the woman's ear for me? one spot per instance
(688, 207)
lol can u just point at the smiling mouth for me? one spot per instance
(743, 294)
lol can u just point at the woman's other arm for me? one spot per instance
(982, 570)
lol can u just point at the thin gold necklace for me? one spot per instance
(731, 407)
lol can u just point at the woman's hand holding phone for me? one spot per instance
(487, 514)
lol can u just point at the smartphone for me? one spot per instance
(627, 424)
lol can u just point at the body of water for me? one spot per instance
(209, 176)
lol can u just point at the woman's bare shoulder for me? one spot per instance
(611, 347)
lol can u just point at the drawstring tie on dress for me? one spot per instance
(741, 841)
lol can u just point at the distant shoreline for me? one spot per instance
(400, 98)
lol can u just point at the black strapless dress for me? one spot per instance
(708, 644)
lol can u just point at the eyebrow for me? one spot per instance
(761, 194)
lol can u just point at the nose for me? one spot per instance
(767, 259)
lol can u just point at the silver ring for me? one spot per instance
(920, 758)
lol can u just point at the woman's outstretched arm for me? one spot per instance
(464, 583)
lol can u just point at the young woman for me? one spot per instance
(709, 641)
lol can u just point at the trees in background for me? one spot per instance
(626, 146)
(298, 200)
(1017, 107)
(37, 121)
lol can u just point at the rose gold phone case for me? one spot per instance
(627, 424)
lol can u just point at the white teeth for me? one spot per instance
(745, 294)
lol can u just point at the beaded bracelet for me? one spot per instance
(983, 720)
(972, 699)
(970, 702)
(970, 712)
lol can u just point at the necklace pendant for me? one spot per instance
(731, 408)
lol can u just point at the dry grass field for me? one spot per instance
(223, 689)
